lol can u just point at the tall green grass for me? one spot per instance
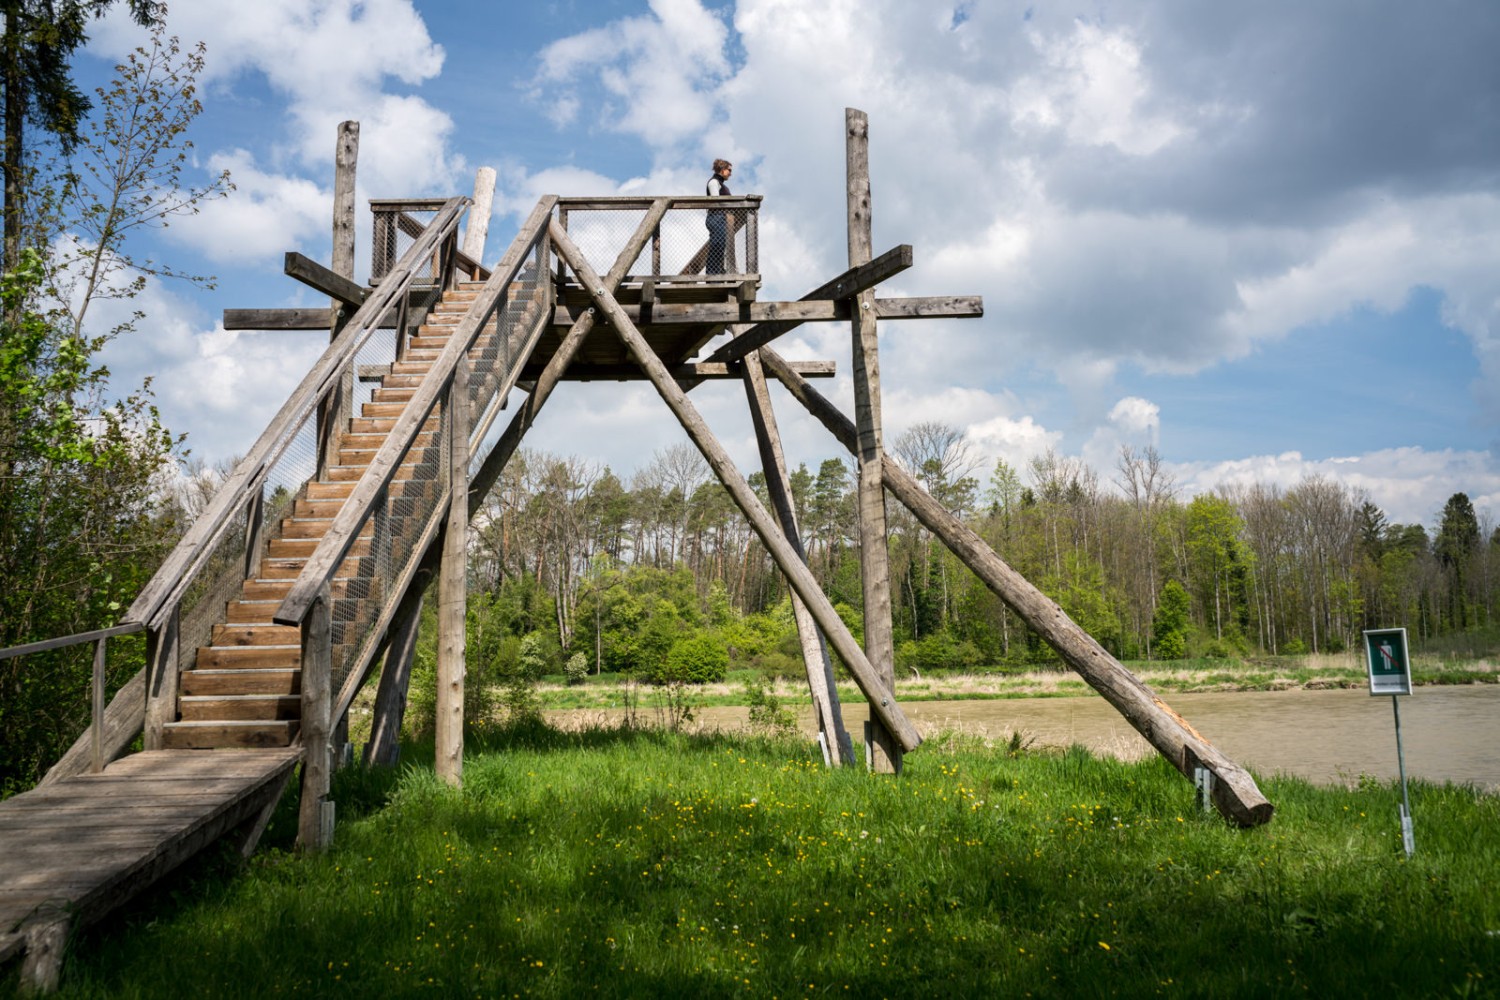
(636, 863)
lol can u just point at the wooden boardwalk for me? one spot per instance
(72, 851)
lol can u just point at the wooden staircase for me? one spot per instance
(244, 689)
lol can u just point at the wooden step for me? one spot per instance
(239, 707)
(316, 527)
(256, 680)
(210, 735)
(384, 425)
(416, 456)
(251, 612)
(293, 548)
(256, 635)
(373, 440)
(391, 396)
(245, 657)
(389, 408)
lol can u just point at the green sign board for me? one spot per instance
(1388, 662)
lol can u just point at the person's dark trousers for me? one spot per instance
(718, 242)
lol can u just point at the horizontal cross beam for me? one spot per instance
(845, 286)
(797, 313)
(699, 371)
(320, 278)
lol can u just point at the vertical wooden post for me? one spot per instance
(874, 556)
(820, 679)
(96, 742)
(315, 812)
(255, 517)
(335, 409)
(161, 678)
(478, 228)
(453, 585)
(395, 679)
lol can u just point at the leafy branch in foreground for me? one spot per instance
(128, 175)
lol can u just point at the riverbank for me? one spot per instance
(1311, 673)
(630, 862)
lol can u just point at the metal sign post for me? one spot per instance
(1390, 673)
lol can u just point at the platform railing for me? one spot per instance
(699, 237)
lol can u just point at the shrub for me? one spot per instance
(577, 668)
(697, 659)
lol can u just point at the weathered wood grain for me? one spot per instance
(874, 556)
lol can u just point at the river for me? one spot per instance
(1448, 733)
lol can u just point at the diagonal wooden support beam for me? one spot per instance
(1236, 795)
(820, 680)
(853, 281)
(320, 278)
(796, 572)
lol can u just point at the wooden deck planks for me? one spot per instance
(85, 845)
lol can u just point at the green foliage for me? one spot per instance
(937, 651)
(82, 524)
(768, 714)
(696, 659)
(635, 863)
(576, 670)
(1171, 623)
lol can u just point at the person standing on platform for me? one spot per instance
(718, 218)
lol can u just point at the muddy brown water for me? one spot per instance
(1448, 733)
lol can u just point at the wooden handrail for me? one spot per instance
(616, 203)
(360, 504)
(76, 639)
(186, 559)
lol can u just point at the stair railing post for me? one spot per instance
(255, 516)
(315, 811)
(162, 653)
(96, 748)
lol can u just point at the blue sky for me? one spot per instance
(1263, 239)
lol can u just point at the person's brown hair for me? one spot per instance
(722, 165)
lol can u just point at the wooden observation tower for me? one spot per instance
(309, 566)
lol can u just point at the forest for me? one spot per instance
(620, 570)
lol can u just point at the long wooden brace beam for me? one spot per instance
(846, 285)
(330, 283)
(796, 313)
(1235, 793)
(796, 572)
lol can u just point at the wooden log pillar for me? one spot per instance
(875, 574)
(315, 811)
(794, 569)
(820, 680)
(337, 407)
(395, 679)
(478, 229)
(1235, 793)
(453, 585)
(162, 652)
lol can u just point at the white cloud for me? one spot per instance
(1092, 86)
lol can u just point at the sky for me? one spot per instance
(1262, 238)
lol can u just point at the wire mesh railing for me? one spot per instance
(400, 500)
(706, 237)
(264, 510)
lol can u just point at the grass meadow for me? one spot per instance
(628, 862)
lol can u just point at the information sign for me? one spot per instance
(1389, 664)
